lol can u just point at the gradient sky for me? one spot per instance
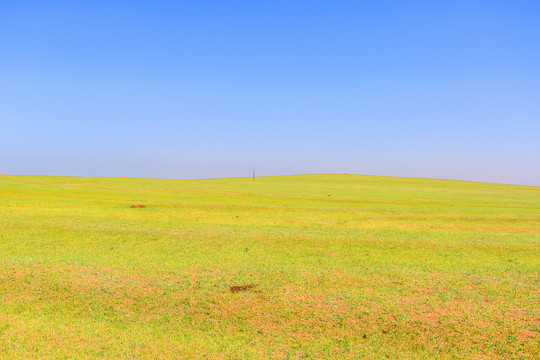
(195, 89)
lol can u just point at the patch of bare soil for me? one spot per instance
(238, 288)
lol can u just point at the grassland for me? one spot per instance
(345, 267)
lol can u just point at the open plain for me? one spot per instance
(311, 266)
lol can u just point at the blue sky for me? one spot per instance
(210, 88)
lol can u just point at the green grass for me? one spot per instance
(346, 266)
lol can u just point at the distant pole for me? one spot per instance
(253, 173)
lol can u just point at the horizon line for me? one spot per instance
(268, 176)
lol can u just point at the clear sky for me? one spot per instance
(195, 89)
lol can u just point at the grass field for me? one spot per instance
(342, 267)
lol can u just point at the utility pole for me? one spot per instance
(253, 167)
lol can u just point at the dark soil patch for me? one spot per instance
(137, 206)
(238, 288)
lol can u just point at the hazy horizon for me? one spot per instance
(210, 89)
(262, 176)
